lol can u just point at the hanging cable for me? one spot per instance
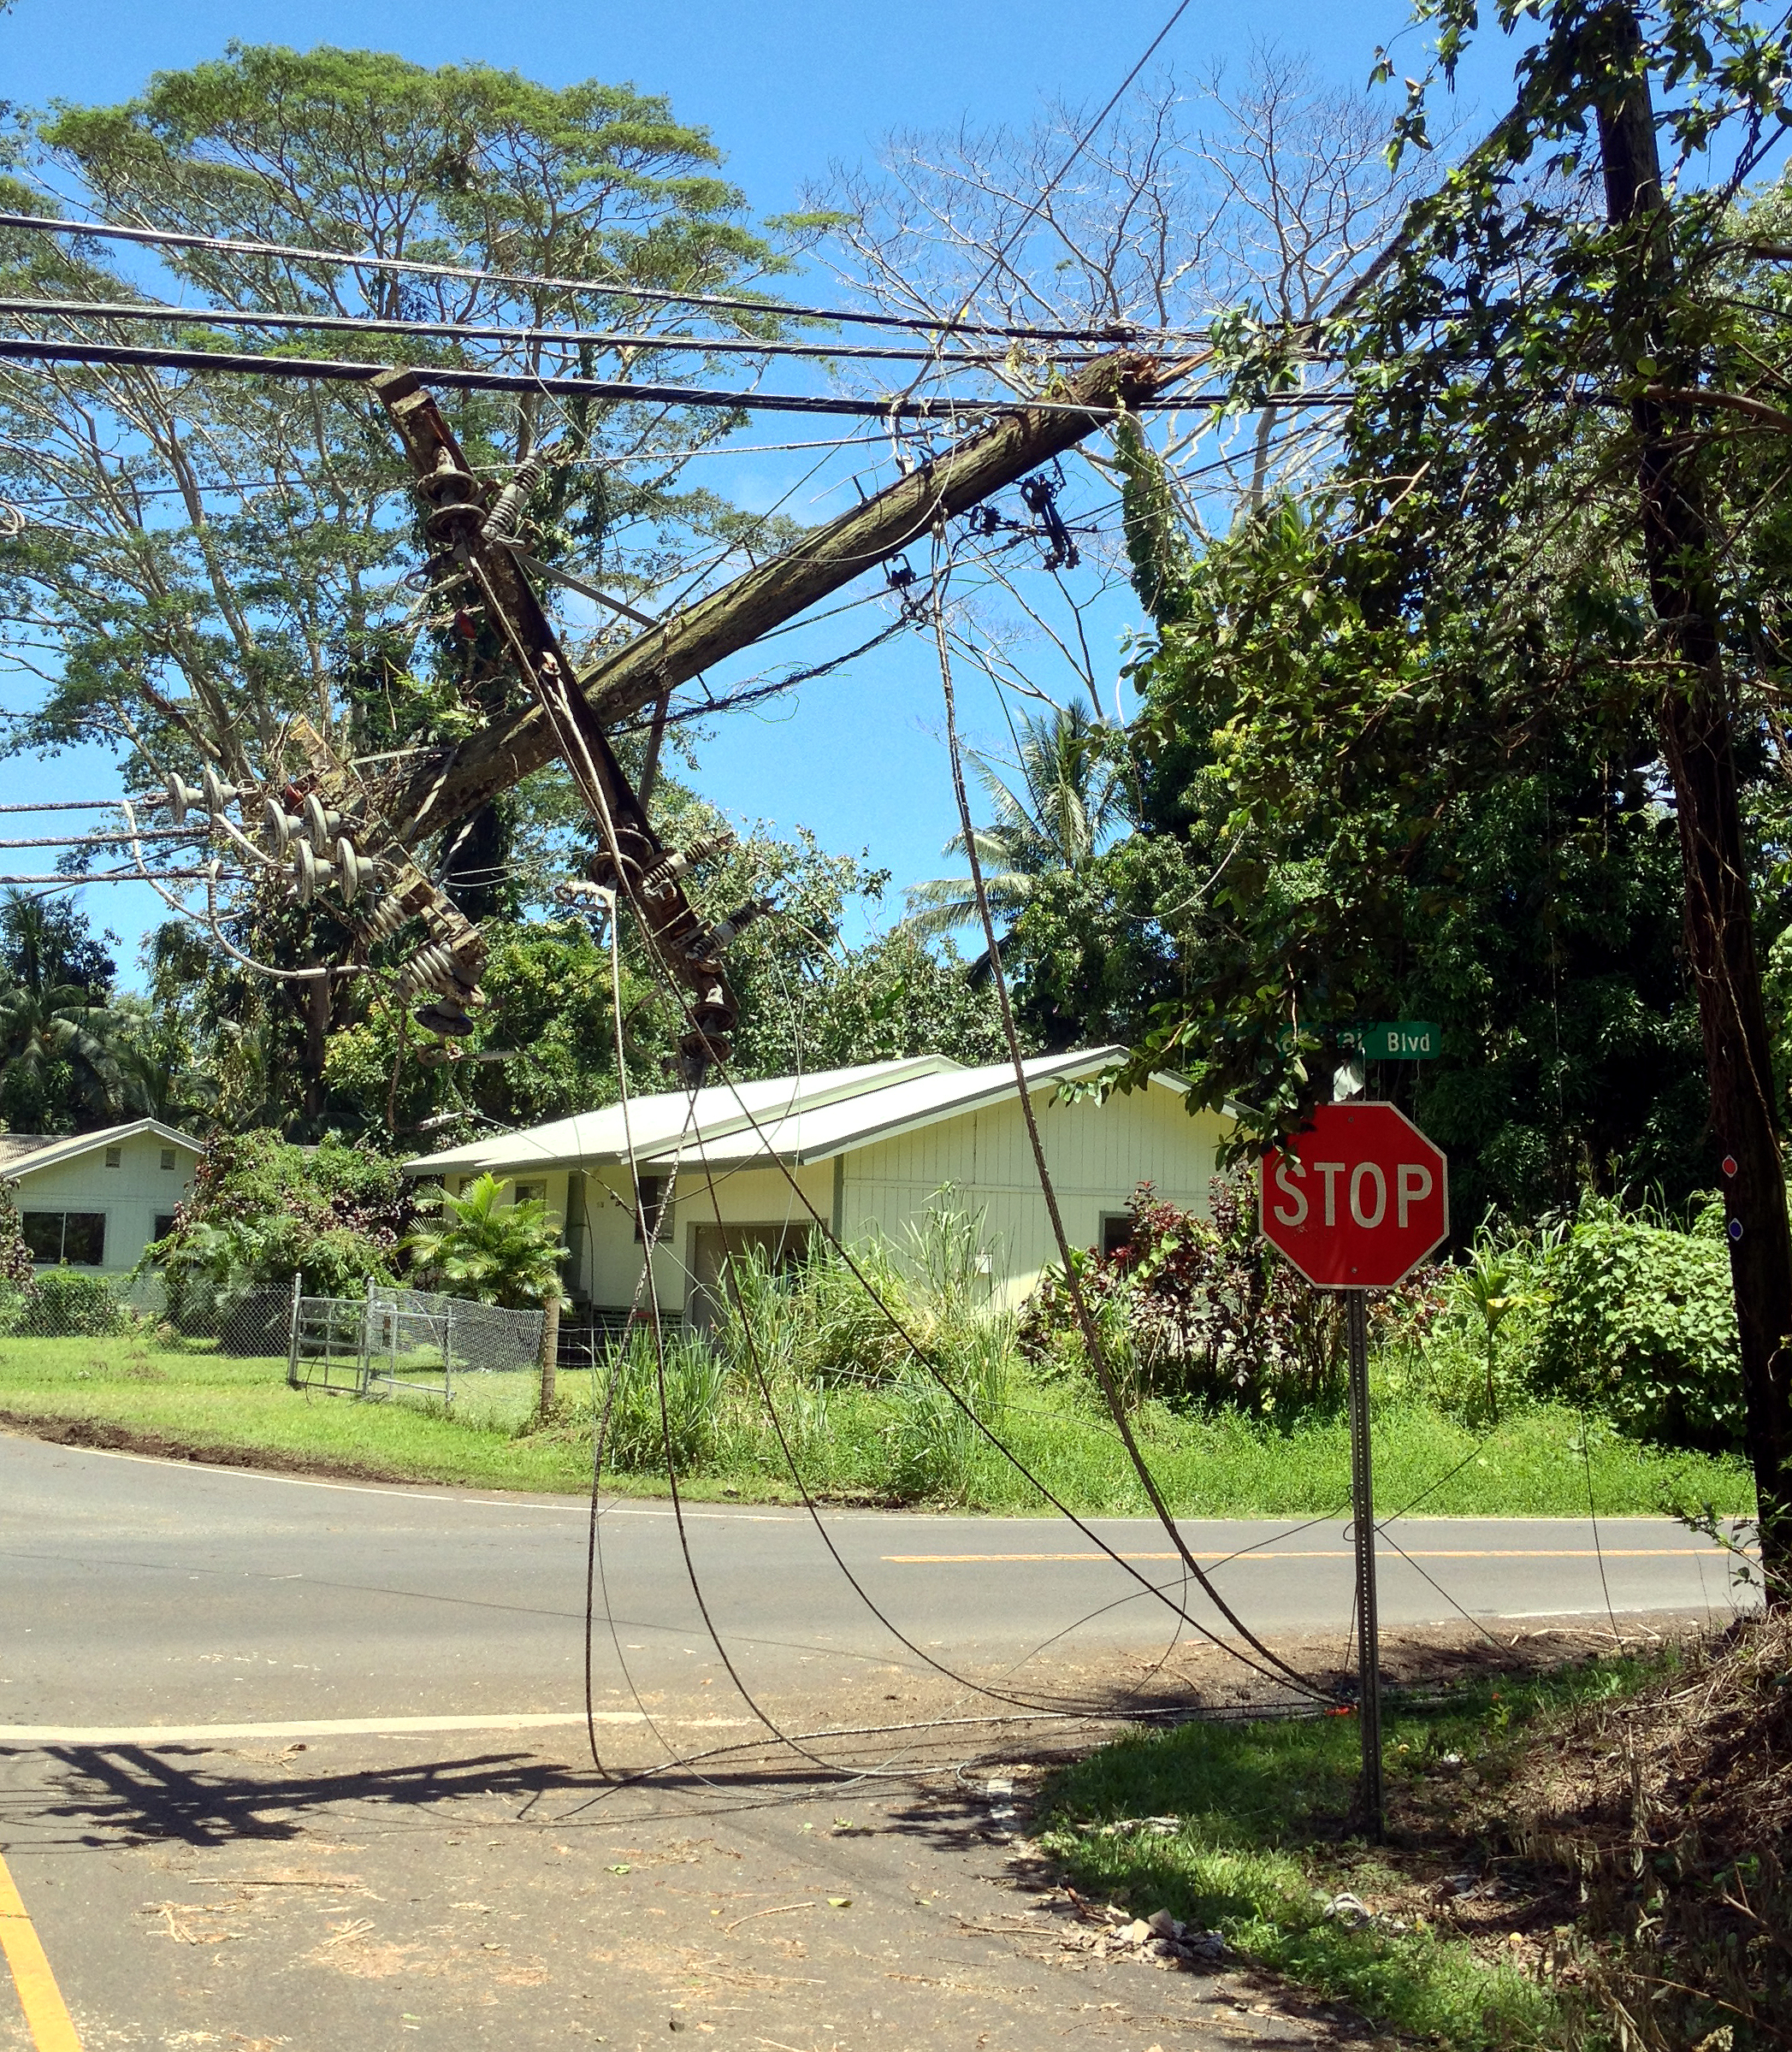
(618, 289)
(346, 370)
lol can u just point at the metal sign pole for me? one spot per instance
(1363, 1512)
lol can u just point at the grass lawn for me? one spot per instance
(863, 1444)
(1252, 1840)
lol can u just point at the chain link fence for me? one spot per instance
(388, 1341)
(405, 1342)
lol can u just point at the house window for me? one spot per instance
(167, 1158)
(1116, 1232)
(164, 1225)
(531, 1193)
(76, 1237)
(115, 1157)
(650, 1201)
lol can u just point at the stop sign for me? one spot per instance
(1357, 1201)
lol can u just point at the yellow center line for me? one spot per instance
(46, 2015)
(1330, 1553)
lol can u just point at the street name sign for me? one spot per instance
(1395, 1040)
(1358, 1199)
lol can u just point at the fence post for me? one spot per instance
(293, 1337)
(550, 1352)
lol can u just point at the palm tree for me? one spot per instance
(157, 1077)
(1071, 793)
(54, 1031)
(506, 1254)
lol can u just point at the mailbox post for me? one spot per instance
(1356, 1202)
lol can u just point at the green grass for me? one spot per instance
(1261, 1847)
(906, 1443)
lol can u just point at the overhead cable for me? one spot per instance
(33, 349)
(469, 331)
(1118, 331)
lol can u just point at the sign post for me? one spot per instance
(1355, 1202)
(1362, 1522)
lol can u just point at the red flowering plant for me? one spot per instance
(1196, 1311)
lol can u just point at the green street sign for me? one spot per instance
(1395, 1040)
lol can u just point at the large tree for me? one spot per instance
(1553, 550)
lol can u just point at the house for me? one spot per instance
(861, 1150)
(96, 1200)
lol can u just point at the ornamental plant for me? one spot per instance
(1195, 1311)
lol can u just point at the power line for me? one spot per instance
(32, 349)
(152, 309)
(74, 882)
(227, 246)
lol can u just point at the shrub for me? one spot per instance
(638, 1435)
(493, 1252)
(1195, 1311)
(63, 1303)
(263, 1210)
(1640, 1324)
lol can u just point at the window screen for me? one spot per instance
(529, 1193)
(164, 1225)
(1116, 1232)
(115, 1157)
(168, 1157)
(76, 1237)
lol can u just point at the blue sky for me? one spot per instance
(785, 88)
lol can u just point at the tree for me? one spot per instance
(58, 1073)
(1497, 569)
(1074, 791)
(497, 1253)
(213, 572)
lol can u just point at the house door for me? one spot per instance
(712, 1247)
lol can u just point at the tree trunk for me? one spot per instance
(317, 1003)
(1696, 714)
(550, 1353)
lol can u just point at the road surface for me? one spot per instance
(295, 1763)
(137, 1592)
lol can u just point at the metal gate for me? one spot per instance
(396, 1342)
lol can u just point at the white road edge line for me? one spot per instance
(377, 1727)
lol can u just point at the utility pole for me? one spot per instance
(674, 650)
(1697, 708)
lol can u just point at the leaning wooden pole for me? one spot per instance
(772, 592)
(1697, 713)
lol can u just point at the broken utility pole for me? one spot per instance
(469, 523)
(765, 596)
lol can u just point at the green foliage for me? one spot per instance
(64, 1302)
(497, 1253)
(1642, 1325)
(650, 1415)
(58, 1069)
(263, 1210)
(1194, 1311)
(1053, 812)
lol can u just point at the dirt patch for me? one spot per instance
(110, 1437)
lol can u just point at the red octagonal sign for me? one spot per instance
(1357, 1201)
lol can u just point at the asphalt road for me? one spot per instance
(286, 1762)
(137, 1592)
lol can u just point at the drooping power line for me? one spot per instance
(471, 331)
(1114, 332)
(949, 407)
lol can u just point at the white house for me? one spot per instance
(96, 1200)
(860, 1149)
